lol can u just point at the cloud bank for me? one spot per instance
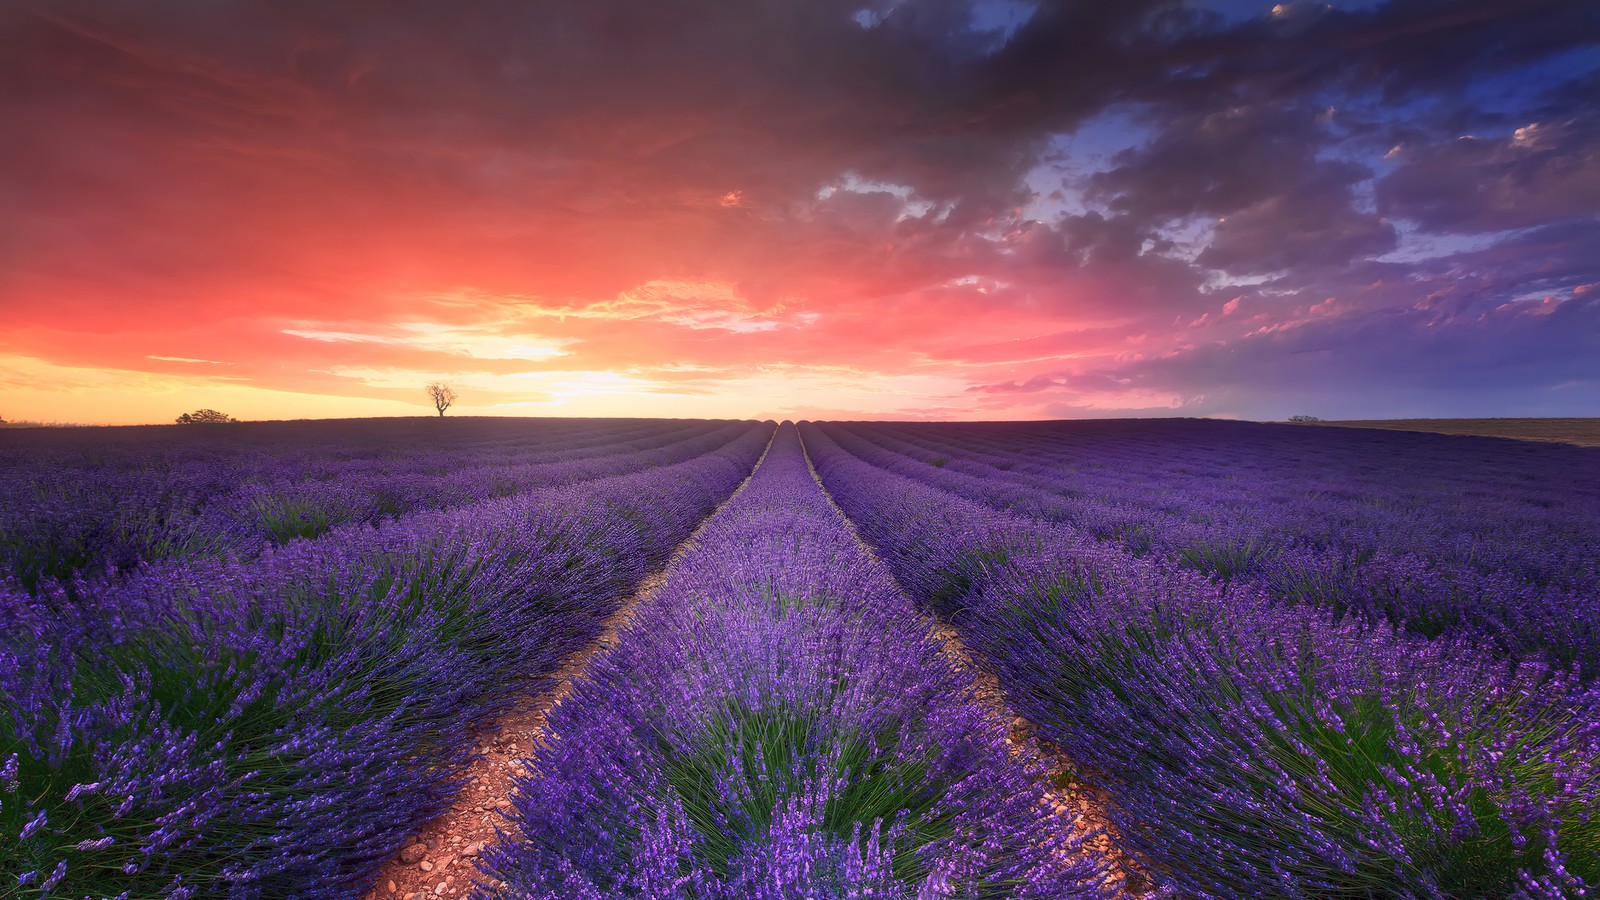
(937, 209)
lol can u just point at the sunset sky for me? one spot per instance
(800, 208)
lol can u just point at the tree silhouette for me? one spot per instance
(442, 395)
(205, 417)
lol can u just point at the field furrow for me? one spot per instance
(277, 729)
(776, 723)
(1490, 549)
(101, 510)
(1065, 793)
(688, 660)
(451, 842)
(1247, 747)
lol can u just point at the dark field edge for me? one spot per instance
(1577, 431)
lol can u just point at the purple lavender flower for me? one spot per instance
(776, 723)
(1249, 747)
(274, 726)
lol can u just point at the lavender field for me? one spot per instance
(1163, 658)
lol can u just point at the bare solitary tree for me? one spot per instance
(442, 395)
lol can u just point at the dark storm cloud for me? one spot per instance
(1093, 266)
(1213, 163)
(1256, 171)
(1310, 226)
(1542, 172)
(790, 91)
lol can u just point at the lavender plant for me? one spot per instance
(776, 724)
(274, 729)
(1251, 749)
(82, 507)
(1364, 523)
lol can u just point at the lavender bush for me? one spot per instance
(90, 505)
(274, 728)
(1251, 749)
(776, 724)
(1307, 665)
(1500, 546)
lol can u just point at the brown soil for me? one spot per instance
(1064, 792)
(444, 867)
(452, 841)
(1583, 432)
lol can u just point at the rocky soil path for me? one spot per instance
(1065, 791)
(440, 859)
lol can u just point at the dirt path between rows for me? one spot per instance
(1063, 792)
(440, 859)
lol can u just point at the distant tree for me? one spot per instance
(442, 395)
(205, 417)
(1304, 419)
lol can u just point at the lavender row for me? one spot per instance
(1339, 551)
(60, 518)
(82, 501)
(775, 723)
(1250, 749)
(1357, 490)
(276, 729)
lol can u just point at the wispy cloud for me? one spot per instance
(471, 343)
(186, 359)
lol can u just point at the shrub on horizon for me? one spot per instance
(206, 417)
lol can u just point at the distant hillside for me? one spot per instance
(1584, 432)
